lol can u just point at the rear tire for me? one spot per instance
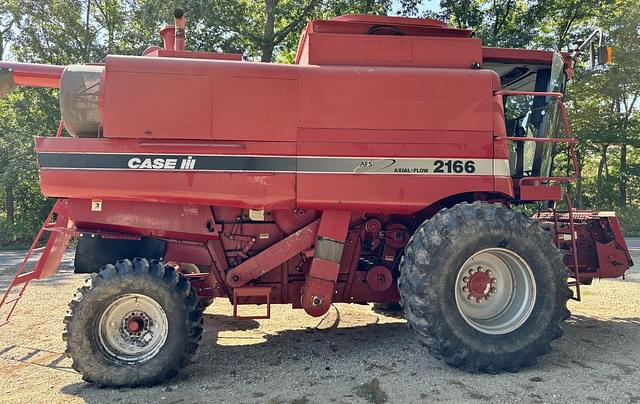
(484, 288)
(134, 323)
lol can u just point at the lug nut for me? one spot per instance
(479, 300)
(464, 288)
(494, 280)
(465, 279)
(488, 272)
(470, 297)
(487, 297)
(493, 290)
(471, 271)
(480, 268)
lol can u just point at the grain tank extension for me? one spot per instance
(385, 165)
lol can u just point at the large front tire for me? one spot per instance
(484, 288)
(134, 323)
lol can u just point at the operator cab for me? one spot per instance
(529, 116)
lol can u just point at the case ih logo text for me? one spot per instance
(185, 163)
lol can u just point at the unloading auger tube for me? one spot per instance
(79, 91)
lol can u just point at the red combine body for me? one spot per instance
(383, 166)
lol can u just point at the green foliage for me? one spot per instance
(630, 220)
(603, 110)
(24, 113)
(261, 30)
(518, 23)
(603, 104)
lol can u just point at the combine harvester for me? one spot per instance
(383, 166)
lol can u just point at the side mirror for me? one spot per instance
(605, 55)
(598, 54)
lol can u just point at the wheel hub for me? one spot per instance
(136, 323)
(479, 284)
(133, 328)
(495, 291)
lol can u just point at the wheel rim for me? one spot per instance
(495, 291)
(133, 328)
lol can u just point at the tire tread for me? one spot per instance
(138, 267)
(420, 304)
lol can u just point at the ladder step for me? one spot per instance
(15, 299)
(252, 291)
(23, 277)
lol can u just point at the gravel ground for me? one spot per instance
(354, 355)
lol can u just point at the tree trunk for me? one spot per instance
(464, 21)
(267, 39)
(368, 7)
(579, 202)
(3, 37)
(578, 196)
(9, 204)
(601, 167)
(623, 175)
(87, 35)
(110, 40)
(493, 41)
(1, 44)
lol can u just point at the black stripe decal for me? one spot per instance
(281, 164)
(165, 162)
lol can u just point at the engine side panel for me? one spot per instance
(258, 136)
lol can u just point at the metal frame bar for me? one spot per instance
(60, 128)
(273, 256)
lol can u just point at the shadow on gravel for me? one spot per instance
(389, 309)
(60, 277)
(11, 260)
(28, 355)
(589, 343)
(316, 355)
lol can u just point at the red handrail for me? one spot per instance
(570, 141)
(534, 93)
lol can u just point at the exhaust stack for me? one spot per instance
(180, 22)
(173, 36)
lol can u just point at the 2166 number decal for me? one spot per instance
(454, 166)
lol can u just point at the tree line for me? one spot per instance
(603, 103)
